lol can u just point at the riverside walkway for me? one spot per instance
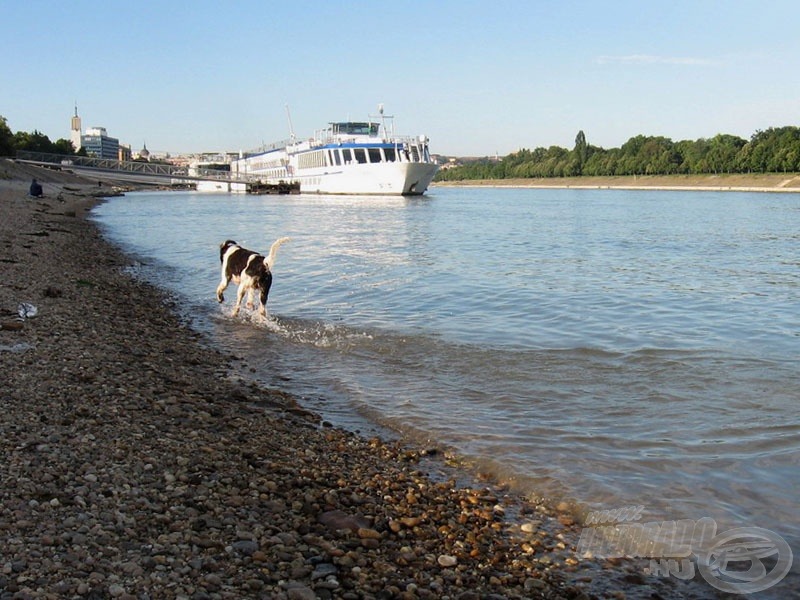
(152, 173)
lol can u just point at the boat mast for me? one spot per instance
(387, 135)
(291, 127)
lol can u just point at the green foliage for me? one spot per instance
(34, 142)
(6, 139)
(776, 150)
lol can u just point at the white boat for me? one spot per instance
(348, 157)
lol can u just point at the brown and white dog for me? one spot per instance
(250, 270)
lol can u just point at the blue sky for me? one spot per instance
(477, 77)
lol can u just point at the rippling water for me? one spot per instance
(611, 347)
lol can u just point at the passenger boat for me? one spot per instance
(347, 157)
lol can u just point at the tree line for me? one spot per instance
(10, 142)
(775, 150)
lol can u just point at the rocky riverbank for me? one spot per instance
(135, 462)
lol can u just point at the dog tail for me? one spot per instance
(270, 260)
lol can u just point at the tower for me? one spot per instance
(75, 130)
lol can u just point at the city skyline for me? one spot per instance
(478, 79)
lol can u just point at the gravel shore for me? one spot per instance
(136, 463)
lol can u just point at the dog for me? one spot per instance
(250, 270)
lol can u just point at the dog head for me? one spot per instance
(223, 248)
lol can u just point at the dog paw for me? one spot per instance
(220, 299)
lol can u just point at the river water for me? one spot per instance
(611, 348)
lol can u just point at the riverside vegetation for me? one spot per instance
(775, 150)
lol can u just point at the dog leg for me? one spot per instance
(221, 288)
(250, 293)
(239, 297)
(262, 309)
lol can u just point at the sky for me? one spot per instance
(477, 77)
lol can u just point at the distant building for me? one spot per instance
(75, 130)
(144, 153)
(125, 152)
(98, 144)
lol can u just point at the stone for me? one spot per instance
(338, 519)
(366, 533)
(323, 570)
(445, 560)
(245, 547)
(301, 592)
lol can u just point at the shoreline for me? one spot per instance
(780, 183)
(138, 462)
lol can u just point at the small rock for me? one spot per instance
(410, 521)
(323, 570)
(528, 527)
(445, 560)
(246, 547)
(368, 534)
(337, 519)
(531, 583)
(300, 592)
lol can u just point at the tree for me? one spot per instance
(34, 142)
(722, 153)
(581, 150)
(6, 139)
(63, 146)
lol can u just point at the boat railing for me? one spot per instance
(279, 145)
(322, 140)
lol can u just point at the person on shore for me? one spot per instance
(36, 189)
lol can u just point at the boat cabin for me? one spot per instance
(355, 128)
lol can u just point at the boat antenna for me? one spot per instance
(291, 127)
(383, 121)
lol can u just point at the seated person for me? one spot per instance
(36, 189)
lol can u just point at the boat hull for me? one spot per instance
(385, 179)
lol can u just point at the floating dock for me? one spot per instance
(282, 187)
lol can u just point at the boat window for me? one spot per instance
(390, 154)
(310, 160)
(347, 155)
(337, 157)
(361, 155)
(355, 128)
(374, 155)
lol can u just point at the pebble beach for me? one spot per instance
(137, 461)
